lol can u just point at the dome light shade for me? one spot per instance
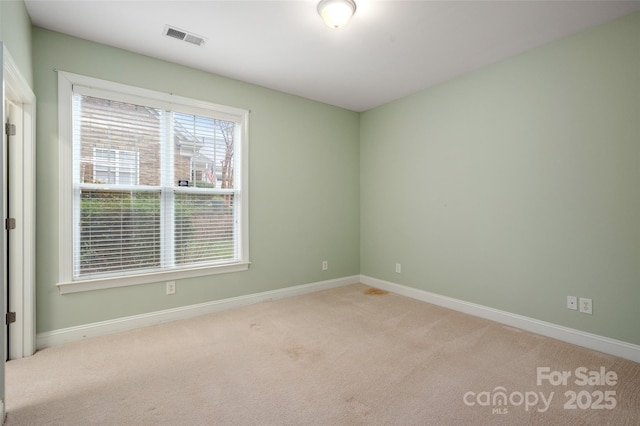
(336, 13)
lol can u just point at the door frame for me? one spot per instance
(22, 338)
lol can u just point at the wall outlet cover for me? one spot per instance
(586, 305)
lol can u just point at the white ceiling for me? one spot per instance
(389, 49)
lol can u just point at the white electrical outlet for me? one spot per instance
(572, 303)
(171, 287)
(325, 265)
(586, 305)
(398, 268)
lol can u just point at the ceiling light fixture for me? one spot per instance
(336, 13)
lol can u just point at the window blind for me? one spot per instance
(155, 188)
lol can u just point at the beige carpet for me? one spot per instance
(343, 356)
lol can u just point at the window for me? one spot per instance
(154, 186)
(115, 166)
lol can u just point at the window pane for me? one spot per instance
(204, 228)
(204, 151)
(113, 166)
(119, 231)
(119, 142)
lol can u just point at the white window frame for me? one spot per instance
(99, 163)
(66, 282)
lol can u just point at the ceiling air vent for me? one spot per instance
(183, 35)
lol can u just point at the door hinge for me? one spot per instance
(10, 129)
(10, 223)
(10, 317)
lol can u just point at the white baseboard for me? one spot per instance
(72, 334)
(588, 340)
(569, 335)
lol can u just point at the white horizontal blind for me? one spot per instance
(119, 231)
(204, 191)
(204, 228)
(116, 166)
(153, 189)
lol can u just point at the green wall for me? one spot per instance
(303, 184)
(516, 185)
(15, 33)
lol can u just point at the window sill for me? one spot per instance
(112, 282)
